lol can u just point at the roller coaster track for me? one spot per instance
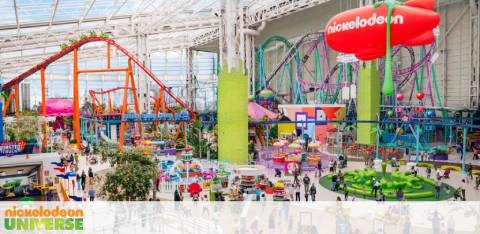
(82, 42)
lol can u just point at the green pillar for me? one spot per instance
(232, 116)
(368, 102)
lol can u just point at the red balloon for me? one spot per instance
(419, 109)
(412, 25)
(399, 96)
(420, 95)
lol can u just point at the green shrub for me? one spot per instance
(423, 164)
(451, 167)
(418, 195)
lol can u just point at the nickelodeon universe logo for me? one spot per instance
(43, 219)
(363, 22)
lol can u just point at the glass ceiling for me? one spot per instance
(31, 30)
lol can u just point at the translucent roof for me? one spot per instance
(32, 30)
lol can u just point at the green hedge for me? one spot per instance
(451, 167)
(423, 164)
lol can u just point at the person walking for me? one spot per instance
(429, 172)
(258, 194)
(79, 181)
(295, 177)
(306, 183)
(297, 192)
(330, 166)
(334, 182)
(291, 191)
(477, 182)
(470, 171)
(438, 188)
(375, 187)
(76, 157)
(313, 191)
(176, 196)
(462, 190)
(84, 179)
(91, 194)
(49, 195)
(345, 191)
(90, 175)
(319, 168)
(475, 153)
(307, 193)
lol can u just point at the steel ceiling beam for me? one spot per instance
(16, 17)
(85, 13)
(54, 12)
(116, 10)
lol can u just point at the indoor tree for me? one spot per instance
(132, 179)
(195, 139)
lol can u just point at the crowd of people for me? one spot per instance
(71, 161)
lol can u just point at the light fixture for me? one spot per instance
(20, 172)
(2, 173)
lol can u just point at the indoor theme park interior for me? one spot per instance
(316, 101)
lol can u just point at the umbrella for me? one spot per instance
(294, 146)
(194, 188)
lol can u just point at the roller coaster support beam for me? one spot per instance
(76, 101)
(135, 98)
(44, 108)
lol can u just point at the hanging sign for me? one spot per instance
(362, 31)
(12, 148)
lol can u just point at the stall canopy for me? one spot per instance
(58, 107)
(257, 112)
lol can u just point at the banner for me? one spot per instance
(240, 217)
(12, 148)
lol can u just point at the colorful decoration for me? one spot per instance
(266, 98)
(400, 96)
(390, 113)
(377, 29)
(420, 95)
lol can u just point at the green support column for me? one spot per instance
(368, 102)
(232, 116)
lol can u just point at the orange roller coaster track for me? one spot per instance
(74, 48)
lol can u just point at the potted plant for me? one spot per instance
(73, 143)
(440, 153)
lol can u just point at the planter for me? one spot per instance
(439, 156)
(313, 159)
(29, 146)
(279, 158)
(172, 151)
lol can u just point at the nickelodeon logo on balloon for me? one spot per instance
(362, 31)
(363, 22)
